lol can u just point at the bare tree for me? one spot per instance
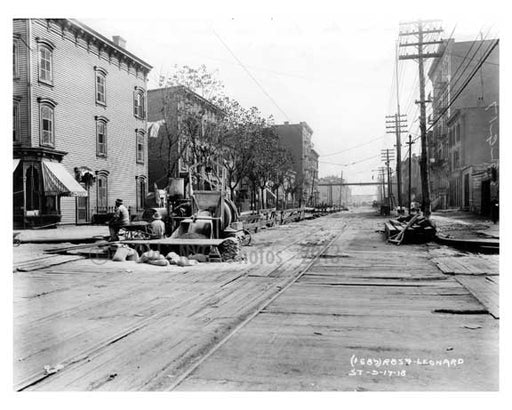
(192, 130)
(270, 160)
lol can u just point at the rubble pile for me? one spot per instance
(410, 229)
(230, 249)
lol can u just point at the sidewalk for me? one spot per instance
(465, 225)
(63, 233)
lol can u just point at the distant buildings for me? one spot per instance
(79, 115)
(297, 139)
(331, 192)
(464, 143)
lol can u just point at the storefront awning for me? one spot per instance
(15, 163)
(58, 181)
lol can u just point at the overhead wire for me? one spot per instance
(250, 74)
(354, 147)
(349, 163)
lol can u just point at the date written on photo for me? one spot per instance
(395, 367)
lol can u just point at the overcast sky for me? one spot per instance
(332, 67)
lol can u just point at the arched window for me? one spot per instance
(46, 122)
(45, 52)
(102, 192)
(139, 136)
(140, 191)
(101, 136)
(101, 85)
(139, 103)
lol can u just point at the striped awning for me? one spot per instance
(58, 181)
(15, 163)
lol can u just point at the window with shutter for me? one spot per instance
(15, 59)
(47, 126)
(16, 121)
(101, 136)
(139, 104)
(100, 89)
(140, 192)
(102, 193)
(45, 64)
(140, 147)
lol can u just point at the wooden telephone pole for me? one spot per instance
(387, 157)
(410, 169)
(396, 124)
(419, 31)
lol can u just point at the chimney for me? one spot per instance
(119, 41)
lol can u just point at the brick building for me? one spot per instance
(297, 139)
(464, 144)
(181, 123)
(79, 137)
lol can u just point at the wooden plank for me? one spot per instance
(175, 241)
(487, 292)
(273, 343)
(468, 265)
(44, 263)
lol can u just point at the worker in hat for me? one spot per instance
(157, 226)
(121, 218)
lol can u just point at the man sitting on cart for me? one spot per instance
(121, 218)
(157, 226)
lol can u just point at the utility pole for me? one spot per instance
(382, 170)
(410, 169)
(387, 156)
(418, 30)
(380, 176)
(341, 186)
(399, 125)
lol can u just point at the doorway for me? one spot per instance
(82, 207)
(486, 198)
(466, 191)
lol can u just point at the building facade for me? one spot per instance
(297, 139)
(183, 132)
(464, 143)
(79, 135)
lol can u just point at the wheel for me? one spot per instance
(245, 239)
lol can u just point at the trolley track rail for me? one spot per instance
(202, 352)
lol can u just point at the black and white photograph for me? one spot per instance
(256, 197)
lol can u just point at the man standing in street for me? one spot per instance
(121, 218)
